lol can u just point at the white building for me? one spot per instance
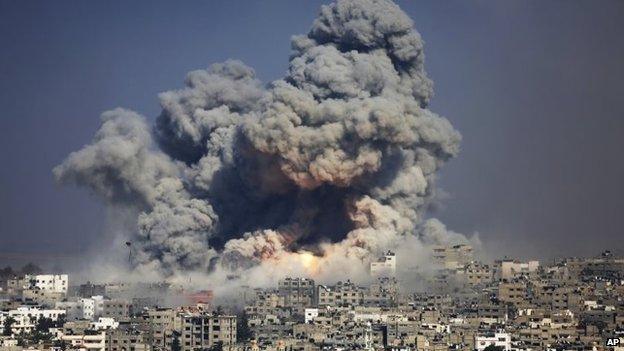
(48, 282)
(86, 308)
(310, 314)
(8, 343)
(98, 305)
(385, 266)
(26, 318)
(368, 317)
(91, 342)
(511, 269)
(104, 323)
(92, 307)
(499, 338)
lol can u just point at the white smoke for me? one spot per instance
(315, 174)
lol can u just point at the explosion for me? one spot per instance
(316, 173)
(310, 263)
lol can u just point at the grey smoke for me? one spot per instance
(335, 162)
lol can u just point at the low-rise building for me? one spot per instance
(498, 338)
(385, 266)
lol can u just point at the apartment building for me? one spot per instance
(200, 331)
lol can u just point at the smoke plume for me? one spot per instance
(316, 173)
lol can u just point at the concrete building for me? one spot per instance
(73, 309)
(199, 331)
(88, 308)
(452, 257)
(310, 314)
(104, 323)
(89, 289)
(513, 293)
(476, 274)
(161, 324)
(15, 286)
(89, 341)
(25, 318)
(499, 338)
(127, 337)
(45, 298)
(605, 266)
(341, 294)
(297, 292)
(385, 266)
(48, 282)
(534, 309)
(119, 309)
(510, 269)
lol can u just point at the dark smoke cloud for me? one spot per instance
(332, 164)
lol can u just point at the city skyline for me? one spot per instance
(462, 304)
(345, 175)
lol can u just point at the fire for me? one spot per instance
(310, 262)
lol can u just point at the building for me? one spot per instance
(510, 269)
(513, 293)
(161, 323)
(119, 309)
(88, 341)
(127, 337)
(89, 289)
(297, 292)
(534, 309)
(199, 331)
(45, 298)
(499, 338)
(383, 293)
(48, 282)
(73, 309)
(341, 294)
(605, 266)
(385, 266)
(476, 274)
(104, 323)
(452, 257)
(25, 318)
(310, 314)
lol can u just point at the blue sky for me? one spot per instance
(535, 88)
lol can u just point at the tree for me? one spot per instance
(44, 324)
(491, 347)
(8, 323)
(60, 321)
(21, 340)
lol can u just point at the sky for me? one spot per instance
(535, 88)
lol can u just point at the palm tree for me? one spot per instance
(8, 323)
